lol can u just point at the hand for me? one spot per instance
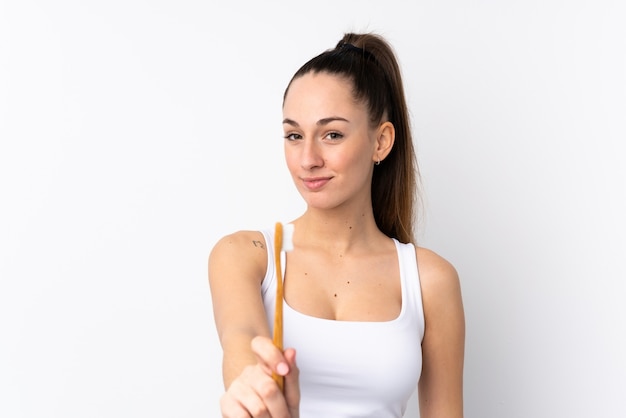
(254, 394)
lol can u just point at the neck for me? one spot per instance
(337, 229)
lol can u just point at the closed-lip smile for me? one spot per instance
(315, 183)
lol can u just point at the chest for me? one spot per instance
(355, 369)
(344, 287)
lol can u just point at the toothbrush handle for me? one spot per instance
(278, 312)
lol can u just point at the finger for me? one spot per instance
(274, 403)
(292, 383)
(242, 401)
(232, 408)
(270, 355)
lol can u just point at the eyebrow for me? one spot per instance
(321, 122)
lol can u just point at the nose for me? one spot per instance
(311, 156)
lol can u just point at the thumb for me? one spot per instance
(292, 384)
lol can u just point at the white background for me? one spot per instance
(136, 133)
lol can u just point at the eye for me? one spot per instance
(293, 136)
(333, 136)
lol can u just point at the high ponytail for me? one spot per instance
(370, 63)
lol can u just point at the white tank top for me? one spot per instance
(351, 369)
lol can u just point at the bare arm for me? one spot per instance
(237, 266)
(441, 383)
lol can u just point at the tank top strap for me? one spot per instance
(411, 288)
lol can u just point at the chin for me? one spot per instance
(316, 201)
(321, 203)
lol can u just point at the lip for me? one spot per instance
(315, 183)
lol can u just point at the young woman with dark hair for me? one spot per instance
(369, 314)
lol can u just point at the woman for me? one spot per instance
(368, 314)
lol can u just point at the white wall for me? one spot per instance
(135, 133)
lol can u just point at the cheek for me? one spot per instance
(291, 160)
(356, 160)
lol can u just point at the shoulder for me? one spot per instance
(432, 266)
(240, 240)
(241, 250)
(439, 279)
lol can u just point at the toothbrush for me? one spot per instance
(283, 241)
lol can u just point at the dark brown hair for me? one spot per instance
(369, 62)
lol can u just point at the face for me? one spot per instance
(329, 146)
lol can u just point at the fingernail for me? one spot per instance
(282, 369)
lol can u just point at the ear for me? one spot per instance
(385, 138)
